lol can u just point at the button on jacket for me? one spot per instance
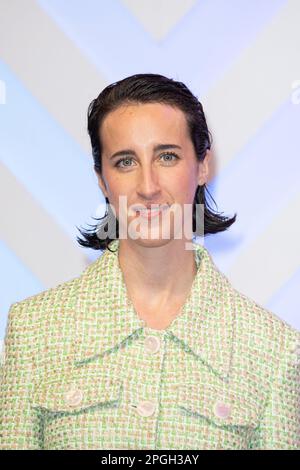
(81, 370)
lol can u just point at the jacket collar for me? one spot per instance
(105, 316)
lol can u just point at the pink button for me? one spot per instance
(222, 410)
(152, 344)
(73, 397)
(146, 408)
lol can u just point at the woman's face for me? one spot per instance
(134, 167)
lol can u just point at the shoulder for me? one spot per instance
(260, 330)
(38, 325)
(45, 304)
(61, 299)
(41, 328)
(265, 345)
(265, 332)
(48, 315)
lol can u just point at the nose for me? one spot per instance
(148, 184)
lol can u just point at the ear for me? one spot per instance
(204, 168)
(101, 184)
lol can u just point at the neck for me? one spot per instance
(157, 276)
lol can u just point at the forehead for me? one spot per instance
(143, 124)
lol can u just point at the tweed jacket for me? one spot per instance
(82, 370)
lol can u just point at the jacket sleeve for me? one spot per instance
(20, 426)
(279, 428)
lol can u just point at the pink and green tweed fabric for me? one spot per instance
(81, 370)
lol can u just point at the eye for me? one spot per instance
(163, 155)
(123, 160)
(170, 154)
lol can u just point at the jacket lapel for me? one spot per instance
(206, 325)
(105, 316)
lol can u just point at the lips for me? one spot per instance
(150, 211)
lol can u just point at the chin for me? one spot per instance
(152, 242)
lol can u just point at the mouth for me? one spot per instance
(153, 211)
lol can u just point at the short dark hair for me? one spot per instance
(152, 88)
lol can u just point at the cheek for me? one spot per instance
(115, 188)
(184, 187)
(118, 194)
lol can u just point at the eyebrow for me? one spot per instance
(156, 149)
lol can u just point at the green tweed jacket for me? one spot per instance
(81, 370)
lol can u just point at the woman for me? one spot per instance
(151, 347)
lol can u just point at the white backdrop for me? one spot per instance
(240, 57)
